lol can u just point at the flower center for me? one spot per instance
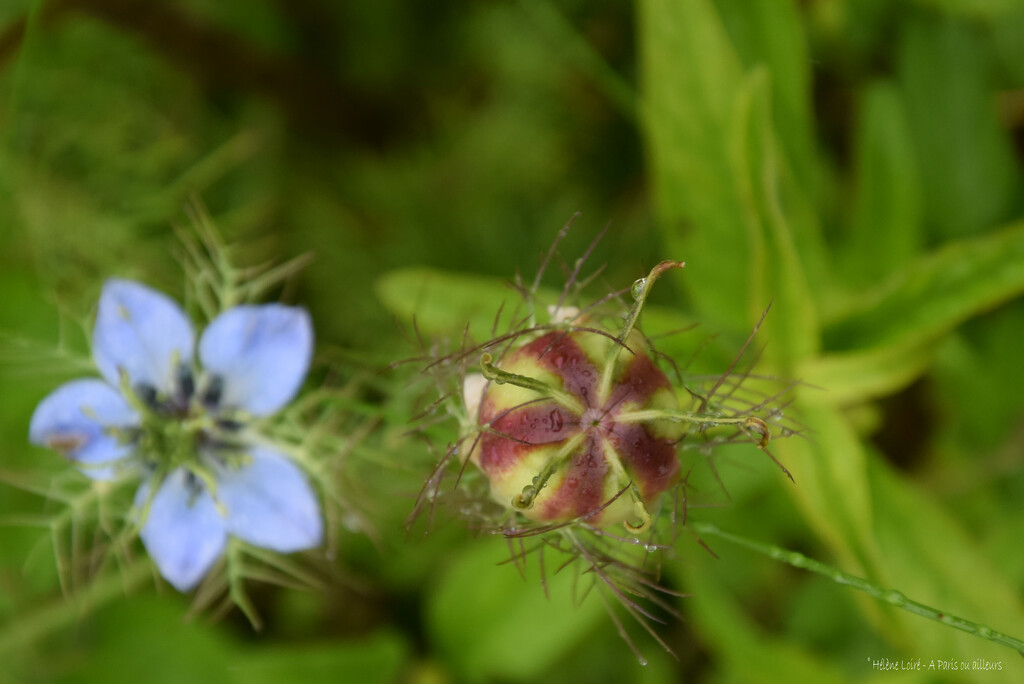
(596, 418)
(181, 425)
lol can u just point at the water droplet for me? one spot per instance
(556, 420)
(638, 288)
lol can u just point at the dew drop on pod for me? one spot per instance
(578, 424)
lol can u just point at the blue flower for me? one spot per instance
(184, 431)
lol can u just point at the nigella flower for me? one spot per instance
(184, 427)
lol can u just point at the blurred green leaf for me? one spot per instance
(444, 302)
(928, 555)
(931, 295)
(691, 75)
(744, 652)
(878, 526)
(723, 185)
(969, 175)
(975, 8)
(770, 34)
(604, 657)
(145, 640)
(581, 53)
(887, 339)
(375, 659)
(886, 217)
(494, 624)
(1008, 38)
(830, 483)
(982, 362)
(772, 206)
(849, 377)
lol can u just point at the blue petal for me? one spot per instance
(270, 503)
(261, 355)
(183, 531)
(141, 331)
(72, 420)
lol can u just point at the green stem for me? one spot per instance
(890, 596)
(500, 377)
(24, 630)
(526, 498)
(641, 288)
(676, 416)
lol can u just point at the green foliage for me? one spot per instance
(498, 625)
(878, 337)
(854, 163)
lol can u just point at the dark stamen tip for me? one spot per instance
(212, 392)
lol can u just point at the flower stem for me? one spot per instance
(641, 288)
(890, 596)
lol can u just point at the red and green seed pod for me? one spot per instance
(574, 426)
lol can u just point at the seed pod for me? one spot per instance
(574, 426)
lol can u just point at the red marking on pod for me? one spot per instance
(565, 358)
(582, 490)
(518, 430)
(650, 461)
(581, 486)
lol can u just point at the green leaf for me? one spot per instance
(376, 659)
(773, 207)
(886, 217)
(726, 195)
(444, 302)
(986, 9)
(1008, 38)
(144, 639)
(850, 377)
(889, 597)
(929, 556)
(880, 527)
(690, 77)
(981, 361)
(770, 34)
(935, 293)
(494, 625)
(831, 487)
(969, 174)
(741, 649)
